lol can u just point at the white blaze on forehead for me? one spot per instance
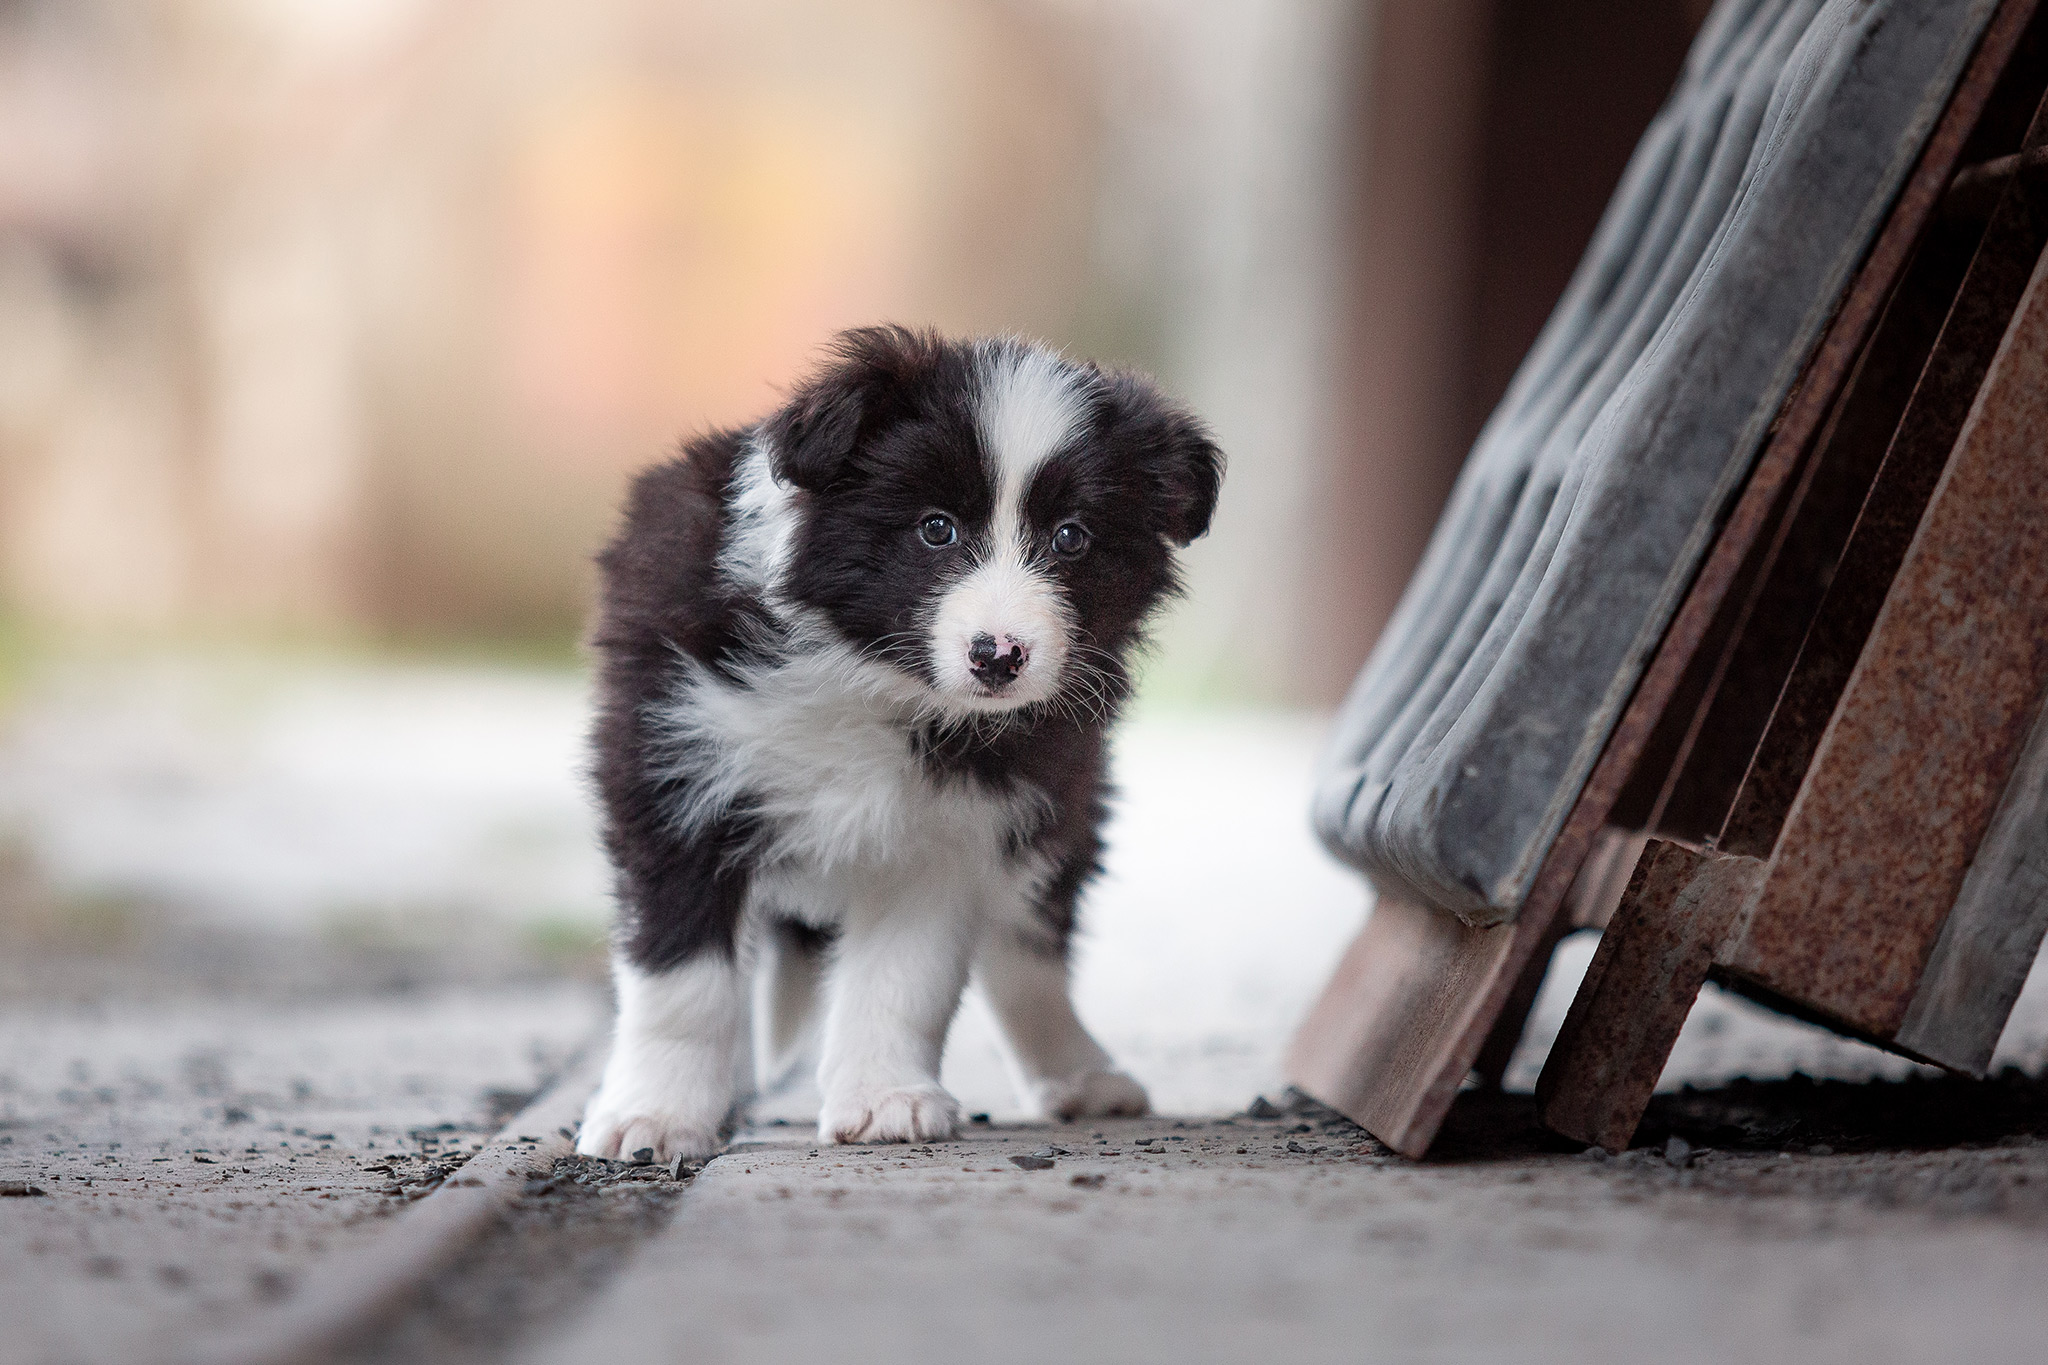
(1030, 404)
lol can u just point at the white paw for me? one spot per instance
(617, 1132)
(1092, 1095)
(916, 1113)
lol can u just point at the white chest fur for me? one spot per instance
(817, 748)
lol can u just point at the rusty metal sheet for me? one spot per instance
(1913, 462)
(1931, 723)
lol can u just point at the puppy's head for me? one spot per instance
(987, 516)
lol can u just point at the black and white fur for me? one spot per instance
(857, 666)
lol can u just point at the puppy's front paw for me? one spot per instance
(917, 1113)
(616, 1132)
(1093, 1095)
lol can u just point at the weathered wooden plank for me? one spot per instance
(1399, 1026)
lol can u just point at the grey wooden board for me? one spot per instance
(1593, 493)
(1989, 940)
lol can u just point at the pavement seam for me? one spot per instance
(357, 1289)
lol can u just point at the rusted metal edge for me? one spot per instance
(1977, 189)
(1628, 1012)
(1770, 612)
(361, 1288)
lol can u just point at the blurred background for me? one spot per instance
(346, 320)
(330, 331)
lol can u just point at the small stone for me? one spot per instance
(1678, 1151)
(568, 1134)
(978, 1118)
(1032, 1163)
(1294, 1146)
(643, 1156)
(676, 1168)
(1088, 1182)
(1596, 1153)
(19, 1189)
(1263, 1108)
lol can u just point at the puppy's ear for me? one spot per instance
(1194, 479)
(816, 436)
(1178, 454)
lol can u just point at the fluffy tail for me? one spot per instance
(787, 977)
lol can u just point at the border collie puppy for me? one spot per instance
(856, 668)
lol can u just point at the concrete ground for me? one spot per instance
(280, 946)
(1301, 1239)
(181, 1161)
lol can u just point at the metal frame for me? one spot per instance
(1420, 997)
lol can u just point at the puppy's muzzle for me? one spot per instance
(995, 663)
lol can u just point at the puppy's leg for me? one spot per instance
(891, 993)
(789, 976)
(670, 1080)
(1060, 1070)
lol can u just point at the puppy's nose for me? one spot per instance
(994, 662)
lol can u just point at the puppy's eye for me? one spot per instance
(938, 531)
(1070, 539)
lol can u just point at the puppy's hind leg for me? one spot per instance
(789, 977)
(1060, 1070)
(670, 1080)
